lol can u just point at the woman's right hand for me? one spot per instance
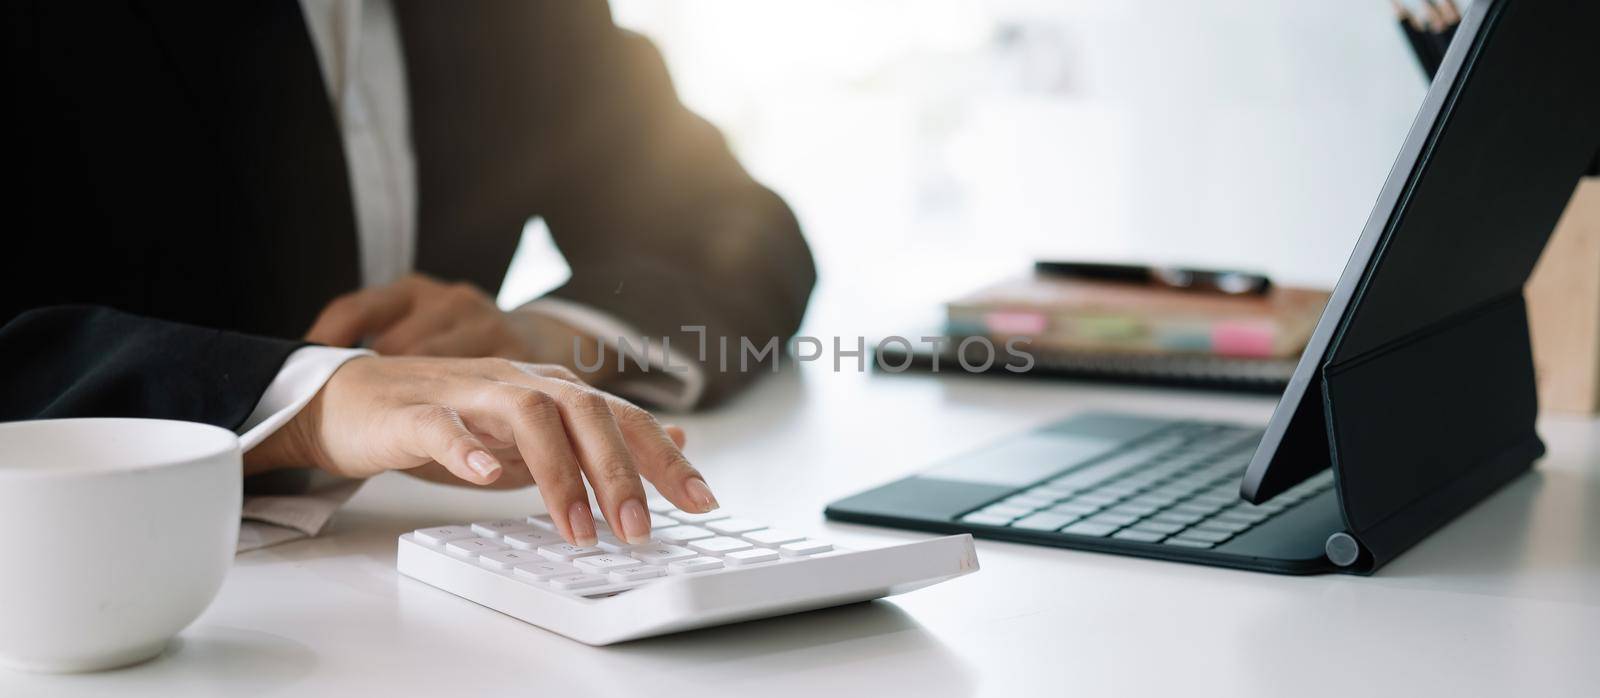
(493, 421)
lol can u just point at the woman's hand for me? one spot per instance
(493, 421)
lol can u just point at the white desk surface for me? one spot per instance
(1504, 601)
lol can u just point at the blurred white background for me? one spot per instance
(929, 146)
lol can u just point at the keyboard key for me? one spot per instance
(568, 582)
(504, 560)
(440, 535)
(1204, 535)
(1121, 488)
(661, 506)
(1053, 493)
(752, 556)
(495, 529)
(1139, 536)
(472, 547)
(1044, 521)
(734, 527)
(694, 564)
(1199, 509)
(1245, 513)
(1178, 517)
(661, 521)
(1222, 525)
(720, 545)
(683, 534)
(1112, 519)
(772, 536)
(563, 552)
(634, 574)
(804, 548)
(689, 518)
(982, 519)
(1028, 501)
(1161, 527)
(1075, 508)
(1154, 500)
(1095, 497)
(1187, 543)
(663, 554)
(540, 571)
(1134, 509)
(531, 540)
(1006, 510)
(604, 563)
(543, 521)
(1085, 528)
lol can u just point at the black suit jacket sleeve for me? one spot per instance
(85, 361)
(551, 109)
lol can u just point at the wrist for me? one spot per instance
(292, 445)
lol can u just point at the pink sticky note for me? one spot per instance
(1250, 339)
(1015, 322)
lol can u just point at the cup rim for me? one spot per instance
(222, 442)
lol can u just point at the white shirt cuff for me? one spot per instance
(671, 382)
(302, 375)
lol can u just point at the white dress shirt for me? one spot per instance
(359, 49)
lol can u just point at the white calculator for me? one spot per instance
(698, 570)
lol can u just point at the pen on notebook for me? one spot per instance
(1232, 283)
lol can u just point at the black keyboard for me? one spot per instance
(1179, 487)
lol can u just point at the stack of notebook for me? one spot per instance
(1126, 332)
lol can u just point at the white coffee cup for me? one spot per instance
(118, 534)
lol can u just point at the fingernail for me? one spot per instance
(582, 524)
(483, 463)
(701, 495)
(635, 522)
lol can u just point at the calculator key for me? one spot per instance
(472, 547)
(983, 519)
(719, 545)
(1044, 521)
(605, 563)
(440, 535)
(772, 536)
(531, 540)
(735, 527)
(751, 556)
(683, 534)
(661, 521)
(694, 564)
(566, 551)
(689, 518)
(1139, 536)
(540, 571)
(609, 542)
(495, 529)
(804, 548)
(1086, 528)
(663, 554)
(568, 582)
(634, 574)
(504, 560)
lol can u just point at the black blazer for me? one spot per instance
(181, 161)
